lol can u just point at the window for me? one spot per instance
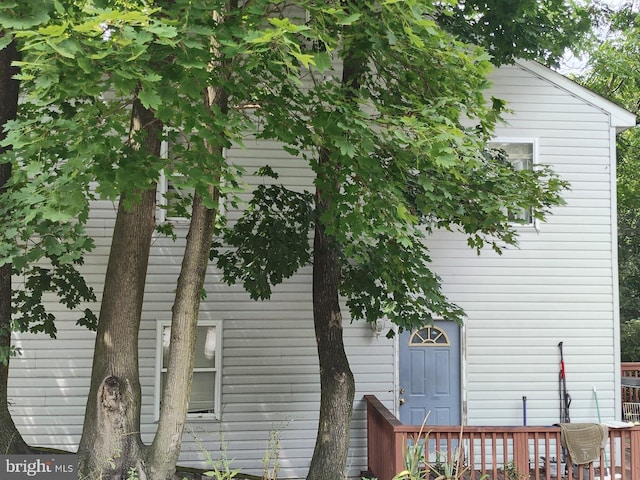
(521, 154)
(174, 197)
(429, 336)
(204, 399)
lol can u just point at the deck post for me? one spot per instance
(398, 456)
(635, 453)
(370, 434)
(521, 453)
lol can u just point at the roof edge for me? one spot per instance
(620, 118)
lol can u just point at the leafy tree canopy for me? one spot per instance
(629, 347)
(406, 154)
(42, 250)
(613, 73)
(83, 63)
(528, 29)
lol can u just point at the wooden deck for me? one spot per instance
(531, 451)
(631, 371)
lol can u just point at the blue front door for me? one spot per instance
(430, 375)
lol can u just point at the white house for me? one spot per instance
(257, 370)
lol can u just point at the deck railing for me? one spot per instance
(535, 453)
(630, 394)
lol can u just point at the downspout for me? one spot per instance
(617, 386)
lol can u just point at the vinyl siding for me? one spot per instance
(270, 369)
(558, 285)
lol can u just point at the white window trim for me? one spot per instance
(534, 142)
(161, 215)
(217, 399)
(161, 199)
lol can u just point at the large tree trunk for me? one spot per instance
(10, 439)
(336, 379)
(164, 452)
(111, 443)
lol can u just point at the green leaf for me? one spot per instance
(47, 80)
(163, 30)
(262, 37)
(59, 7)
(391, 38)
(5, 40)
(305, 58)
(66, 48)
(53, 30)
(10, 21)
(322, 61)
(149, 97)
(345, 146)
(137, 50)
(287, 25)
(350, 20)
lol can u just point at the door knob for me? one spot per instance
(402, 401)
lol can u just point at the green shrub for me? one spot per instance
(630, 341)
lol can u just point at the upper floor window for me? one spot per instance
(171, 194)
(521, 153)
(174, 197)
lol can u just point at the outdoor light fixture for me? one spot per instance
(378, 326)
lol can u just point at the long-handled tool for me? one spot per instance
(606, 456)
(565, 401)
(565, 398)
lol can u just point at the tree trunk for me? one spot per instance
(336, 379)
(10, 439)
(164, 452)
(111, 445)
(337, 385)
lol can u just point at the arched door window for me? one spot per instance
(430, 336)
